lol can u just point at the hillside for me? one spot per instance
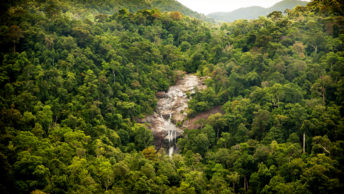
(255, 11)
(84, 9)
(111, 6)
(76, 85)
(162, 5)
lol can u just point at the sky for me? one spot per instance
(209, 6)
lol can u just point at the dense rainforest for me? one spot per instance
(75, 79)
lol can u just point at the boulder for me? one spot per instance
(161, 94)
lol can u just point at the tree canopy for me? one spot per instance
(77, 76)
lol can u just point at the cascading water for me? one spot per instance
(169, 127)
(171, 108)
(172, 136)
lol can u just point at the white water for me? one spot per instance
(171, 135)
(169, 127)
(173, 107)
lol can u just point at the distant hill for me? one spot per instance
(254, 11)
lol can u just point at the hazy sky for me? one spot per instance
(209, 6)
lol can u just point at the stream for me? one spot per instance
(171, 109)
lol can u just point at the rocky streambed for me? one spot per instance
(171, 109)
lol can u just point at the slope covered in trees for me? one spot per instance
(72, 88)
(89, 8)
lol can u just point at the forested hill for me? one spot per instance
(255, 11)
(135, 5)
(84, 9)
(74, 82)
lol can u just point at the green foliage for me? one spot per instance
(76, 77)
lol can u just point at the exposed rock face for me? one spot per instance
(171, 108)
(194, 122)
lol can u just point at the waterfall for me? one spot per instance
(172, 104)
(171, 134)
